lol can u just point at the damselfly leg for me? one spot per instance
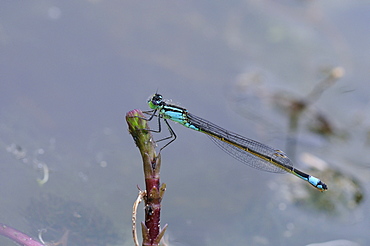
(172, 137)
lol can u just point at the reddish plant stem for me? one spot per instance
(152, 209)
(152, 233)
(17, 236)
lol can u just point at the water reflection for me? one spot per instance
(83, 225)
(255, 96)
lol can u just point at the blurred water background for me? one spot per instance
(70, 70)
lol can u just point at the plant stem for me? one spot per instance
(139, 129)
(17, 236)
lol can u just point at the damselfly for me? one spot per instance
(248, 151)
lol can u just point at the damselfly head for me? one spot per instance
(155, 101)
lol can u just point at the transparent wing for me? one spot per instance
(248, 151)
(246, 157)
